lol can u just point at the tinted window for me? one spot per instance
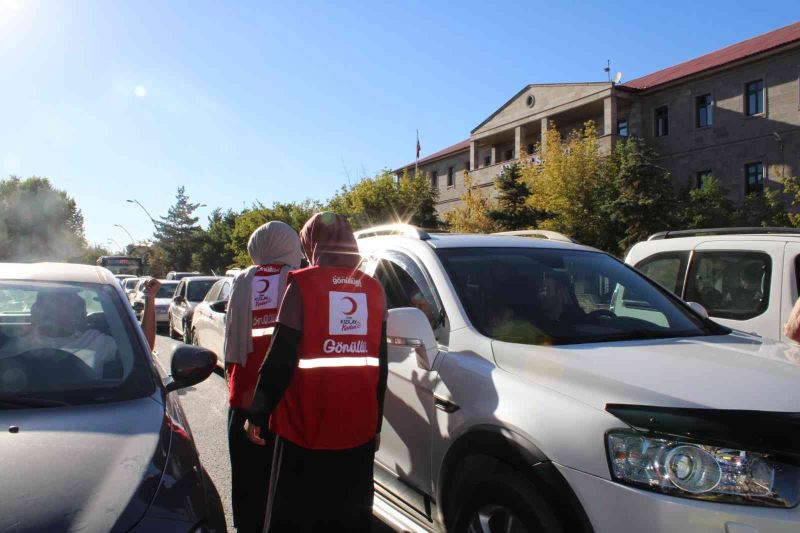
(731, 285)
(548, 296)
(667, 269)
(197, 290)
(68, 342)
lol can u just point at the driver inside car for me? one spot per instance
(58, 321)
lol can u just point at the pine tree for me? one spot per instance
(177, 232)
(512, 211)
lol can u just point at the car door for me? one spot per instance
(202, 314)
(791, 284)
(216, 322)
(408, 413)
(739, 283)
(175, 306)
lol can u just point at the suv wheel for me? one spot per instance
(492, 497)
(187, 335)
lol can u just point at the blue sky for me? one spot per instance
(246, 101)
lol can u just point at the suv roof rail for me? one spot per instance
(537, 234)
(721, 231)
(406, 230)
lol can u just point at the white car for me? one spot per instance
(746, 278)
(162, 301)
(519, 400)
(208, 319)
(190, 292)
(129, 287)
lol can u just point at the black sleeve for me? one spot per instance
(383, 373)
(275, 374)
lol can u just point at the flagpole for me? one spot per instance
(416, 159)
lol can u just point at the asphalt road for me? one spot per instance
(206, 407)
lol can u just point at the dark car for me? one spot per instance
(94, 438)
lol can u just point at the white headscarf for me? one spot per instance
(273, 243)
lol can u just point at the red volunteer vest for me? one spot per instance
(332, 400)
(265, 299)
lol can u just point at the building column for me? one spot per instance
(609, 115)
(494, 154)
(543, 141)
(519, 140)
(473, 155)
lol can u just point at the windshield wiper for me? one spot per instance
(13, 401)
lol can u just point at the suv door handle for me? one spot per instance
(445, 405)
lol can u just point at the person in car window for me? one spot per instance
(322, 386)
(249, 321)
(747, 295)
(58, 321)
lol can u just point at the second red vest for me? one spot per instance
(265, 298)
(332, 400)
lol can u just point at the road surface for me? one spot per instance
(206, 407)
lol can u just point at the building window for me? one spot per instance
(702, 111)
(466, 166)
(435, 179)
(622, 127)
(451, 180)
(662, 121)
(487, 160)
(509, 154)
(754, 178)
(754, 94)
(702, 176)
(530, 149)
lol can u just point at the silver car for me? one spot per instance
(190, 292)
(208, 321)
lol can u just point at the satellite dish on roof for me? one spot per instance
(617, 77)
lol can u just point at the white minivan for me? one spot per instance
(746, 278)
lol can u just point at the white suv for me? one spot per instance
(519, 400)
(746, 278)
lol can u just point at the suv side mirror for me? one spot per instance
(409, 327)
(697, 308)
(190, 365)
(219, 307)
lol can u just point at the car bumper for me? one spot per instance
(614, 507)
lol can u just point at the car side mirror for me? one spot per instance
(409, 327)
(190, 365)
(219, 307)
(697, 308)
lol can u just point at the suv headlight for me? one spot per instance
(693, 470)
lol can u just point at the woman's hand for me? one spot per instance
(254, 433)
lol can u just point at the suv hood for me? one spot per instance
(78, 468)
(735, 371)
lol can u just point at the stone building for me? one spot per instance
(733, 113)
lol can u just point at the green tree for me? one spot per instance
(791, 187)
(512, 211)
(639, 198)
(294, 213)
(385, 199)
(473, 215)
(707, 206)
(765, 209)
(177, 232)
(39, 222)
(213, 246)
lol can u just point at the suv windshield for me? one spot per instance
(198, 289)
(555, 296)
(67, 343)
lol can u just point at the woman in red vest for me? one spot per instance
(322, 386)
(249, 323)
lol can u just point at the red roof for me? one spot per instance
(729, 54)
(450, 150)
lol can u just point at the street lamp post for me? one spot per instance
(134, 201)
(133, 243)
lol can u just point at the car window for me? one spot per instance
(197, 289)
(553, 296)
(730, 284)
(69, 342)
(212, 294)
(668, 269)
(225, 292)
(167, 290)
(405, 285)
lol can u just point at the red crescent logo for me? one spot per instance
(353, 306)
(266, 286)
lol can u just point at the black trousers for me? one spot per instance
(250, 470)
(322, 490)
